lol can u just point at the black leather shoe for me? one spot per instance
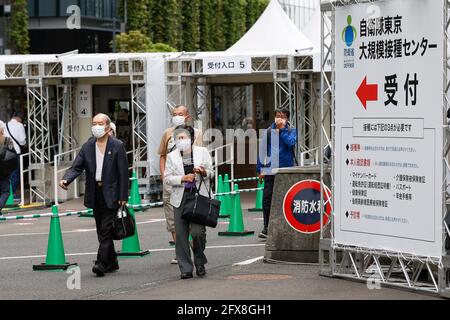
(112, 268)
(201, 271)
(98, 270)
(187, 275)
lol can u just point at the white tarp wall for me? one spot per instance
(157, 113)
(389, 126)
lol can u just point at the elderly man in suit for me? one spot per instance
(104, 160)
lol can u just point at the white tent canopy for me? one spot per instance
(275, 33)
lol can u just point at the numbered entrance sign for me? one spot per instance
(85, 67)
(84, 101)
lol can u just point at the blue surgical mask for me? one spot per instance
(99, 131)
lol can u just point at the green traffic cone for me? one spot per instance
(56, 258)
(259, 198)
(135, 198)
(224, 212)
(236, 227)
(227, 199)
(10, 202)
(131, 247)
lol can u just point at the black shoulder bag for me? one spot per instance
(124, 225)
(202, 210)
(8, 159)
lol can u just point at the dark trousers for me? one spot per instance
(4, 192)
(15, 177)
(267, 198)
(182, 247)
(107, 255)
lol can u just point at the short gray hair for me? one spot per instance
(181, 106)
(107, 118)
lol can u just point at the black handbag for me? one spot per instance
(201, 210)
(8, 159)
(124, 225)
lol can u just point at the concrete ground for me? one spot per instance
(24, 243)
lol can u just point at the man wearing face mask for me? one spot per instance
(180, 116)
(104, 160)
(277, 150)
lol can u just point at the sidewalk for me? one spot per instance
(263, 281)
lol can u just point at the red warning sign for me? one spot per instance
(301, 206)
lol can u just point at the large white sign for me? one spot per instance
(227, 65)
(85, 67)
(84, 101)
(389, 119)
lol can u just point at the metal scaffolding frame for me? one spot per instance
(141, 165)
(65, 117)
(376, 267)
(291, 75)
(40, 77)
(308, 118)
(39, 139)
(176, 70)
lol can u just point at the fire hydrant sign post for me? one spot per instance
(389, 126)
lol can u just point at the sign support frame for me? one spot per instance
(380, 268)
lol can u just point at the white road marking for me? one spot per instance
(73, 231)
(151, 221)
(151, 250)
(250, 261)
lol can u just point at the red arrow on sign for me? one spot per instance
(367, 92)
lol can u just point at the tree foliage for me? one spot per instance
(19, 29)
(189, 25)
(218, 27)
(165, 22)
(138, 15)
(235, 20)
(207, 18)
(136, 41)
(190, 10)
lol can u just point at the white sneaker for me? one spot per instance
(174, 261)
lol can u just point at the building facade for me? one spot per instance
(51, 19)
(300, 11)
(54, 26)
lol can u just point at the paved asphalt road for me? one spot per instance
(24, 243)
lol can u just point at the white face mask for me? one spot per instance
(183, 144)
(99, 131)
(178, 121)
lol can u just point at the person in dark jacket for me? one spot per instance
(104, 160)
(8, 163)
(277, 150)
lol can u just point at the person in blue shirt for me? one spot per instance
(277, 150)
